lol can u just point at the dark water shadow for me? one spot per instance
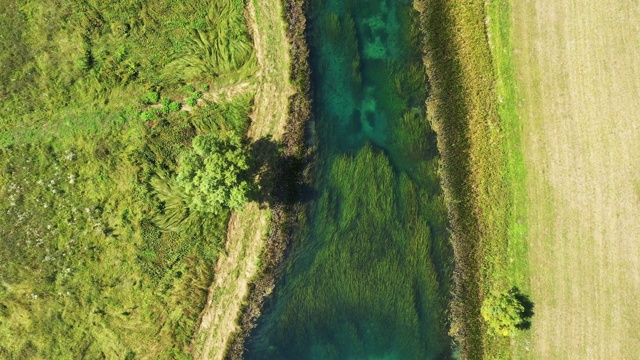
(278, 177)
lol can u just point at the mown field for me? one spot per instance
(105, 251)
(576, 67)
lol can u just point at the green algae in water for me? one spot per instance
(368, 274)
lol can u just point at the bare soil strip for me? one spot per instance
(579, 76)
(239, 263)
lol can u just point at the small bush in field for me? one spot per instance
(205, 87)
(504, 312)
(189, 88)
(174, 106)
(151, 97)
(212, 175)
(147, 115)
(192, 102)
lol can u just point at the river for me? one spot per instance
(369, 269)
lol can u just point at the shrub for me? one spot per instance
(85, 62)
(189, 88)
(192, 101)
(174, 106)
(197, 94)
(165, 105)
(204, 87)
(211, 175)
(504, 312)
(147, 115)
(151, 97)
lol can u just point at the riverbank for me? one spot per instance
(481, 164)
(252, 236)
(287, 179)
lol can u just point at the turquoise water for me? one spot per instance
(368, 273)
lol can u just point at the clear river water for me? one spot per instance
(368, 272)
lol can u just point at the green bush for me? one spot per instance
(165, 105)
(503, 312)
(147, 115)
(174, 106)
(192, 101)
(85, 62)
(211, 175)
(152, 97)
(204, 87)
(189, 88)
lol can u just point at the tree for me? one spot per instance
(504, 312)
(212, 174)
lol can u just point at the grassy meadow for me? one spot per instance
(507, 263)
(100, 101)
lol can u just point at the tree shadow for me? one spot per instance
(528, 306)
(278, 178)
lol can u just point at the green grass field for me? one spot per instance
(91, 129)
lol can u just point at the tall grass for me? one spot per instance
(481, 162)
(85, 269)
(228, 116)
(221, 47)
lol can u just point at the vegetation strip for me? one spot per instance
(506, 263)
(283, 152)
(285, 193)
(481, 162)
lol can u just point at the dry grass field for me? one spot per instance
(578, 72)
